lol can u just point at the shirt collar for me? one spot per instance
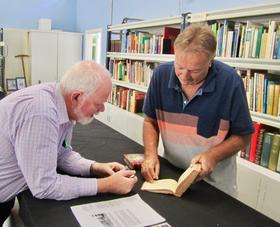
(61, 106)
(208, 86)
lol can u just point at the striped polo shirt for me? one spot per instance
(188, 127)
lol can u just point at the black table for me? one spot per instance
(201, 205)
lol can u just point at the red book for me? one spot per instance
(171, 34)
(133, 160)
(254, 141)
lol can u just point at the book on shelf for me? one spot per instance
(267, 142)
(115, 45)
(278, 164)
(169, 36)
(274, 152)
(272, 27)
(171, 186)
(276, 95)
(259, 146)
(276, 53)
(133, 160)
(136, 101)
(263, 44)
(237, 38)
(227, 38)
(254, 141)
(124, 98)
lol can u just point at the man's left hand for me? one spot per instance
(208, 163)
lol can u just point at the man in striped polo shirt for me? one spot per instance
(198, 105)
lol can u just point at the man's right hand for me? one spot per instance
(120, 182)
(150, 168)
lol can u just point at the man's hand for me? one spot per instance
(150, 168)
(119, 183)
(105, 169)
(208, 163)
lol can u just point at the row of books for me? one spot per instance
(146, 42)
(262, 90)
(137, 72)
(127, 99)
(248, 40)
(264, 147)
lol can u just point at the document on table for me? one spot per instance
(129, 211)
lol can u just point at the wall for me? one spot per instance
(25, 14)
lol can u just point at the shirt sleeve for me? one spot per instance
(149, 103)
(36, 147)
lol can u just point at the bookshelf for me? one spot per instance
(125, 122)
(258, 187)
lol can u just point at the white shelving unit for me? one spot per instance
(130, 85)
(158, 22)
(258, 187)
(142, 57)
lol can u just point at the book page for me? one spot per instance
(129, 211)
(165, 186)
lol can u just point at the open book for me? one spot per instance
(170, 186)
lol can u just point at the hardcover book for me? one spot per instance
(171, 186)
(267, 142)
(133, 160)
(274, 152)
(169, 36)
(254, 141)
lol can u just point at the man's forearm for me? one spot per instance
(150, 137)
(229, 147)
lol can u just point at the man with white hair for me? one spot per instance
(35, 137)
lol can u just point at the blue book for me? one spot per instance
(267, 142)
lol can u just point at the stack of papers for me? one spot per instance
(130, 211)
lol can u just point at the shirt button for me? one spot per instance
(185, 102)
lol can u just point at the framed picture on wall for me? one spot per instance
(11, 84)
(21, 83)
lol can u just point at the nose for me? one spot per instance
(185, 73)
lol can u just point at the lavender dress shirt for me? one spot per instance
(34, 129)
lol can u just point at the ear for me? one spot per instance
(75, 97)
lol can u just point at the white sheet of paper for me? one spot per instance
(130, 211)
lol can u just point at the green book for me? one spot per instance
(267, 142)
(274, 152)
(278, 164)
(259, 40)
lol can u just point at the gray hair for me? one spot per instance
(85, 76)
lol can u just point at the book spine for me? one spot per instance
(274, 153)
(254, 141)
(259, 146)
(267, 142)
